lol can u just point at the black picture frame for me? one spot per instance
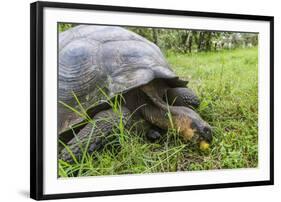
(37, 101)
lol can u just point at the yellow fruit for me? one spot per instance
(204, 145)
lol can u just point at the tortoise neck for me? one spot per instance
(165, 116)
(156, 110)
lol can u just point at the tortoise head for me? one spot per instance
(189, 123)
(185, 120)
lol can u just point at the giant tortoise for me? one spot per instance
(99, 63)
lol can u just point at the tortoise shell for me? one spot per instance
(93, 57)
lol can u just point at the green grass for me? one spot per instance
(227, 84)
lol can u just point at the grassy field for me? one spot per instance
(227, 84)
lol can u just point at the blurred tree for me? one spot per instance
(187, 41)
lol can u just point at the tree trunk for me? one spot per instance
(189, 40)
(155, 36)
(200, 41)
(208, 41)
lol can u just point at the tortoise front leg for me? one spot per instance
(182, 97)
(94, 135)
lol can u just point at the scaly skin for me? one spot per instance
(182, 97)
(104, 121)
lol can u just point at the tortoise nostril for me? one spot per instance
(207, 133)
(207, 129)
